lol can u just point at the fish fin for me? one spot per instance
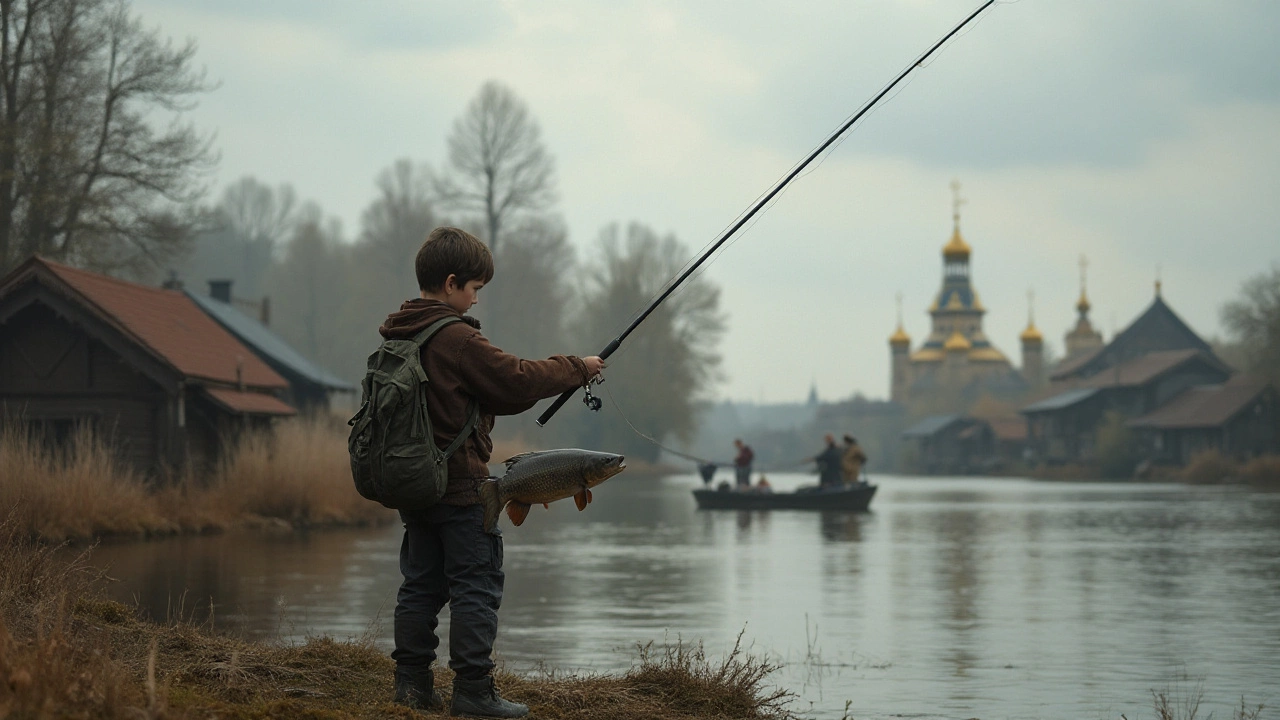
(492, 503)
(517, 458)
(517, 511)
(589, 498)
(546, 505)
(580, 499)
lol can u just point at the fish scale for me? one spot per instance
(545, 477)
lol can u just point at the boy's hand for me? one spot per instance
(594, 365)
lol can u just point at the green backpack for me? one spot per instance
(394, 459)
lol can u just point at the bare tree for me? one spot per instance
(670, 362)
(1253, 323)
(96, 165)
(498, 164)
(394, 226)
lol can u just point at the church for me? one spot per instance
(957, 363)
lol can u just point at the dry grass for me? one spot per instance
(1264, 470)
(1209, 466)
(81, 492)
(67, 652)
(299, 475)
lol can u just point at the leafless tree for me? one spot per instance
(499, 166)
(1253, 323)
(97, 166)
(671, 361)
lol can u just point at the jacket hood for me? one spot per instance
(415, 315)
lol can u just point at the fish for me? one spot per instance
(544, 477)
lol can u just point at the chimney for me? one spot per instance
(173, 283)
(220, 290)
(265, 314)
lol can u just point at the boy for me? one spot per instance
(446, 556)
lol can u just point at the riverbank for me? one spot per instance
(65, 651)
(296, 476)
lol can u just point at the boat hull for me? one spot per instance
(856, 498)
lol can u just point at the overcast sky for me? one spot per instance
(1143, 134)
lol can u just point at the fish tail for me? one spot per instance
(492, 503)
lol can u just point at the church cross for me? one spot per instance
(956, 202)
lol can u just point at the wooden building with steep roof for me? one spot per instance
(145, 367)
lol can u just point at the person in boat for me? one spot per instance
(763, 486)
(828, 461)
(851, 460)
(742, 463)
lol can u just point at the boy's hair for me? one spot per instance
(450, 251)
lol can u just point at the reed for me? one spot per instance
(296, 474)
(300, 473)
(79, 491)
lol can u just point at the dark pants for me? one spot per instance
(742, 474)
(447, 557)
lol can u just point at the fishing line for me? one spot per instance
(701, 461)
(742, 220)
(868, 107)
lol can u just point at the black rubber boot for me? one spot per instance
(416, 688)
(479, 698)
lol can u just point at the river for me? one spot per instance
(953, 598)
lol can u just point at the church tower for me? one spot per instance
(1032, 348)
(1083, 338)
(899, 361)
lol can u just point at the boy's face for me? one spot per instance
(462, 298)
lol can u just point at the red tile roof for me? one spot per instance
(1206, 406)
(251, 403)
(169, 324)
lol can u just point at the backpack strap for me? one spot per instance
(422, 337)
(473, 408)
(473, 415)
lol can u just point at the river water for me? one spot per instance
(953, 598)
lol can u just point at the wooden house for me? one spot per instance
(1063, 428)
(1239, 419)
(145, 367)
(310, 386)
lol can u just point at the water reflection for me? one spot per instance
(952, 598)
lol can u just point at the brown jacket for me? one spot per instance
(461, 365)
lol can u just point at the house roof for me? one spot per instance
(249, 403)
(164, 322)
(1144, 369)
(1070, 365)
(267, 344)
(1061, 400)
(930, 425)
(1205, 406)
(1158, 328)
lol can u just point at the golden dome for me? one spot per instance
(900, 337)
(956, 342)
(1083, 305)
(927, 355)
(1031, 334)
(987, 354)
(957, 249)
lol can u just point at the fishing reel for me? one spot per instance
(591, 401)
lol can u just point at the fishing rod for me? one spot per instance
(594, 402)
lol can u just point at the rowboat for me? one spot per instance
(854, 497)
